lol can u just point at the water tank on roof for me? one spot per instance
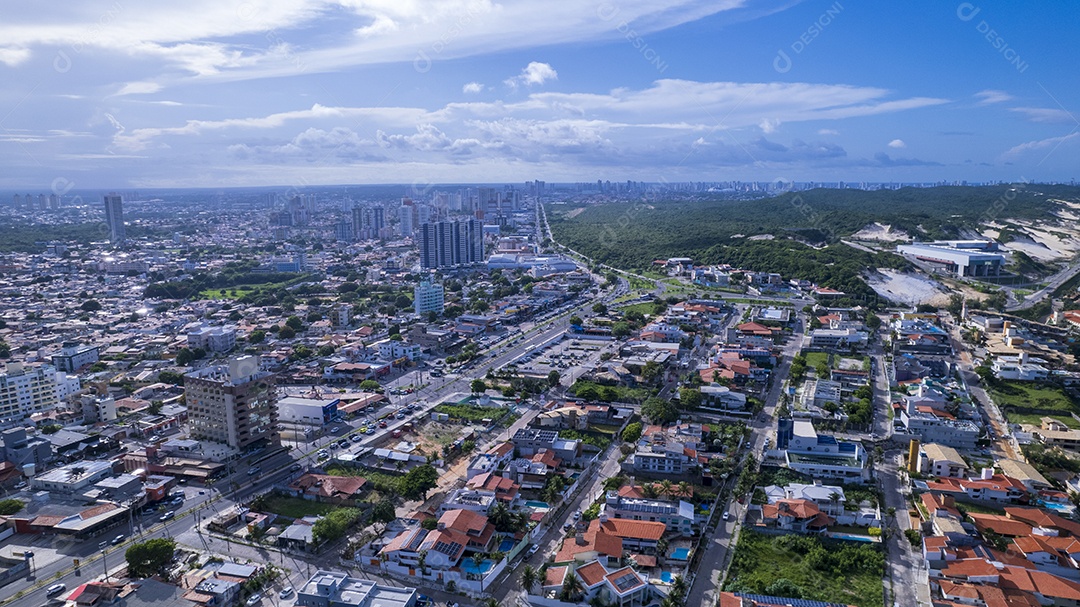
(29, 470)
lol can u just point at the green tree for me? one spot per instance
(477, 386)
(184, 357)
(659, 411)
(294, 323)
(334, 524)
(632, 432)
(689, 398)
(256, 336)
(370, 385)
(620, 330)
(383, 511)
(51, 429)
(651, 371)
(575, 320)
(599, 308)
(10, 506)
(418, 481)
(149, 558)
(553, 378)
(90, 305)
(287, 332)
(528, 578)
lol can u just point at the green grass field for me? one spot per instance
(839, 572)
(645, 307)
(295, 507)
(1026, 403)
(813, 359)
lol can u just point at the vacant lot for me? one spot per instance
(1026, 403)
(295, 507)
(807, 567)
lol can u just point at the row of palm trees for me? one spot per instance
(667, 488)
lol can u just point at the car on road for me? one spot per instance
(382, 424)
(343, 444)
(168, 515)
(533, 550)
(323, 454)
(21, 485)
(356, 437)
(294, 468)
(370, 431)
(285, 592)
(335, 429)
(727, 515)
(118, 539)
(400, 416)
(253, 600)
(55, 589)
(253, 471)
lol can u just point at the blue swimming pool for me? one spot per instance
(543, 505)
(1055, 506)
(851, 538)
(681, 554)
(506, 545)
(468, 566)
(666, 576)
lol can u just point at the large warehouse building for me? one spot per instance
(964, 257)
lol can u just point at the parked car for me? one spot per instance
(356, 437)
(285, 592)
(727, 515)
(370, 431)
(253, 600)
(533, 550)
(382, 424)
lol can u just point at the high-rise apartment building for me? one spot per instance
(25, 391)
(234, 404)
(451, 243)
(428, 297)
(114, 218)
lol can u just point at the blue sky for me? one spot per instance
(233, 93)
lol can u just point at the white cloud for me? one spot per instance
(472, 87)
(138, 88)
(828, 132)
(1042, 114)
(535, 73)
(12, 57)
(1041, 144)
(769, 125)
(990, 96)
(897, 144)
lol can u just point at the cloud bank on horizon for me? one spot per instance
(223, 93)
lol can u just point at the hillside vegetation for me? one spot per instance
(805, 227)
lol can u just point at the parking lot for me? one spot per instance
(561, 355)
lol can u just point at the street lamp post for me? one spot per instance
(104, 564)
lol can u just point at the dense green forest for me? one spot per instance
(633, 234)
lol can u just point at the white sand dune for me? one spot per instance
(880, 231)
(905, 287)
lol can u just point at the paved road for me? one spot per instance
(1054, 282)
(705, 590)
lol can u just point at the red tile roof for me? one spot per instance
(591, 574)
(627, 529)
(1002, 525)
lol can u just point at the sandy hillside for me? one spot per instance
(907, 288)
(880, 231)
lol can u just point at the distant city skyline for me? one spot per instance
(107, 95)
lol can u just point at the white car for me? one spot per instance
(55, 589)
(253, 600)
(533, 550)
(727, 516)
